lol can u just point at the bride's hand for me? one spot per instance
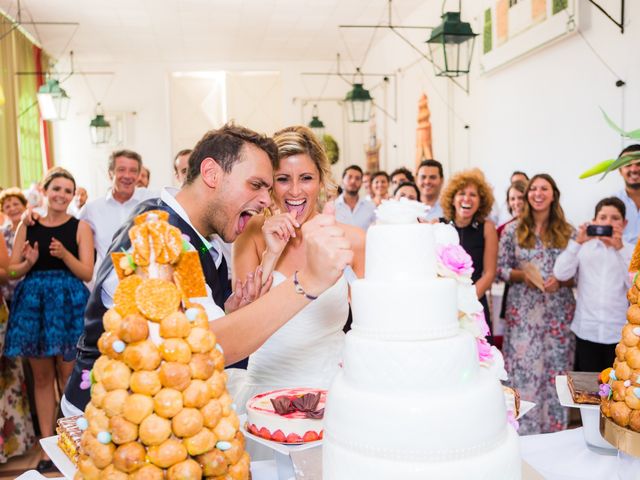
(277, 230)
(248, 291)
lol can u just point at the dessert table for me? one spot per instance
(555, 456)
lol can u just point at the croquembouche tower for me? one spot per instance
(159, 405)
(620, 389)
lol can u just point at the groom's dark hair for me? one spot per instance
(224, 146)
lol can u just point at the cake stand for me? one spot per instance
(284, 453)
(628, 444)
(590, 415)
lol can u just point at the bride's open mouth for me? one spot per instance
(296, 206)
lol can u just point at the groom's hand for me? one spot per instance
(327, 249)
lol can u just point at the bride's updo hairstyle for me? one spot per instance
(299, 140)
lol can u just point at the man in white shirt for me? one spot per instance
(106, 214)
(350, 208)
(429, 179)
(601, 263)
(630, 195)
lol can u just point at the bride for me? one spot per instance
(307, 350)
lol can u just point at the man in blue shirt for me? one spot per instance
(630, 195)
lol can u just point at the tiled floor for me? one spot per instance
(18, 465)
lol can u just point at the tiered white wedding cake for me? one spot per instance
(413, 399)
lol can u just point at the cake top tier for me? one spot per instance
(399, 248)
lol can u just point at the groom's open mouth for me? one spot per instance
(245, 216)
(296, 206)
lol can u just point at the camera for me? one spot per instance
(599, 230)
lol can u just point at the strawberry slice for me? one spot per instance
(310, 436)
(265, 433)
(279, 436)
(294, 438)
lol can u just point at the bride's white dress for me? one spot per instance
(305, 352)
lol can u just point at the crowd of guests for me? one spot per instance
(527, 243)
(50, 250)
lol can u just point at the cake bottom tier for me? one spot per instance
(502, 462)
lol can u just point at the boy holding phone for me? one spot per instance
(600, 257)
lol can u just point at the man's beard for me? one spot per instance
(351, 193)
(633, 186)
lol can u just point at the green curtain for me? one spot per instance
(24, 148)
(9, 165)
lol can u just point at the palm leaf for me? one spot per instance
(634, 134)
(621, 162)
(611, 124)
(596, 169)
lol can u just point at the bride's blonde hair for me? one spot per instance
(298, 140)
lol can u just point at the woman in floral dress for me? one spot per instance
(538, 343)
(16, 428)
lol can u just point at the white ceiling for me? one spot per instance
(206, 31)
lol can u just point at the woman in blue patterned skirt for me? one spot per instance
(55, 256)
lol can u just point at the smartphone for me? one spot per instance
(599, 230)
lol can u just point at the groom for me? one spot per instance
(229, 177)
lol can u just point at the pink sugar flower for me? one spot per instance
(454, 259)
(485, 355)
(85, 383)
(481, 322)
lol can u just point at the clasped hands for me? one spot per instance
(30, 253)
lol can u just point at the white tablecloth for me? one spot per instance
(556, 456)
(565, 456)
(259, 470)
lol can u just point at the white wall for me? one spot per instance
(140, 93)
(538, 114)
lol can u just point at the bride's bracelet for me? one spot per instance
(299, 288)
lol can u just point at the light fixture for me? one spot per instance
(53, 101)
(358, 101)
(451, 37)
(99, 128)
(451, 46)
(316, 125)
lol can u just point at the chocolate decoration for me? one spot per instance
(282, 405)
(307, 403)
(316, 414)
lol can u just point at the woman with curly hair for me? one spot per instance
(466, 202)
(538, 342)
